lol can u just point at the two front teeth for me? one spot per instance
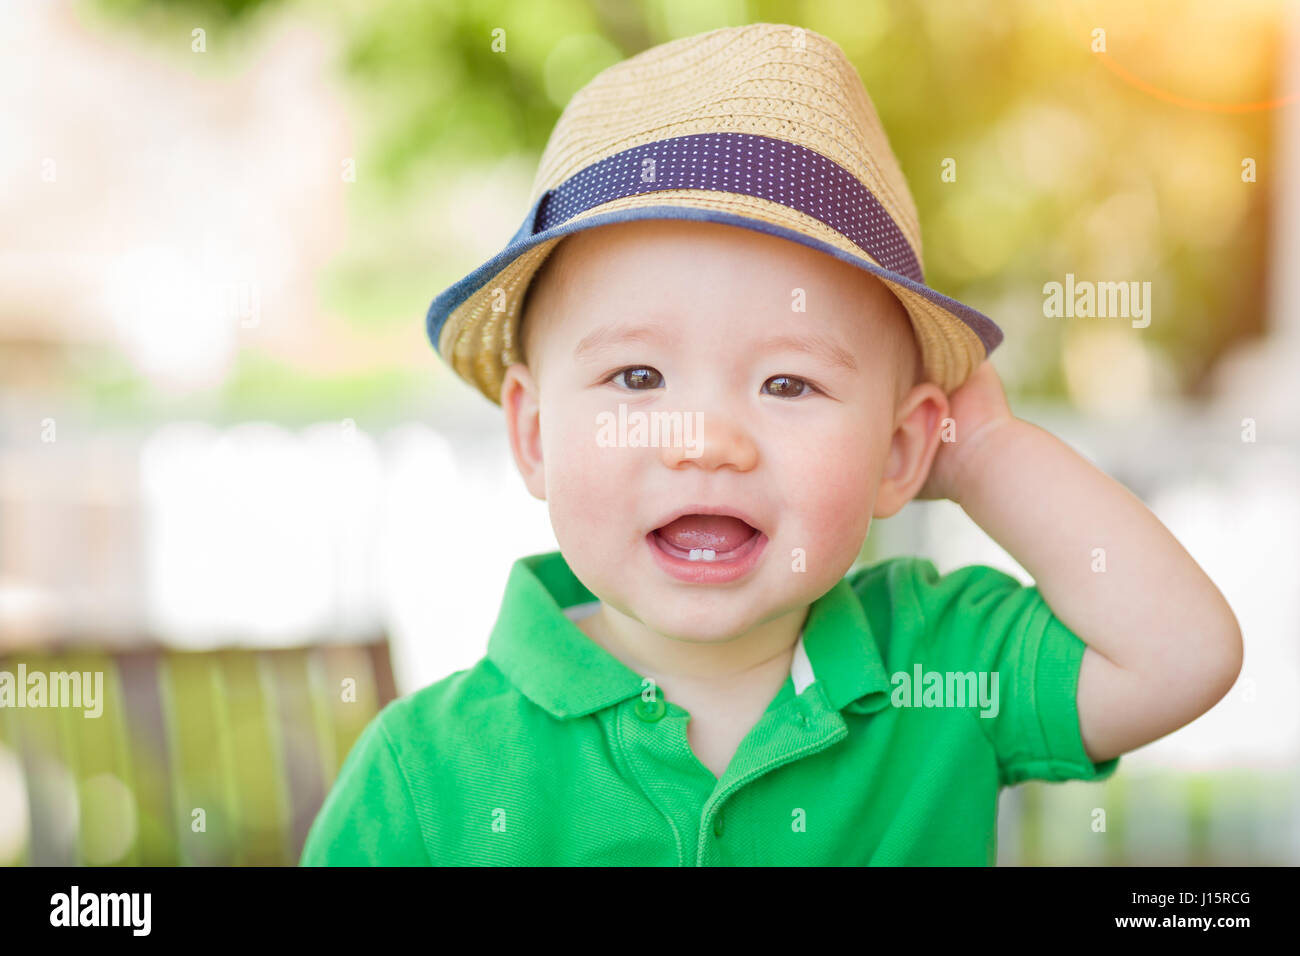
(702, 554)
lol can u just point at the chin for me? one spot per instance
(689, 628)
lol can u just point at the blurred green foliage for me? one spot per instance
(226, 11)
(1062, 166)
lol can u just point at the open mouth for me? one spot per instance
(707, 549)
(706, 537)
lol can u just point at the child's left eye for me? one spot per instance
(788, 386)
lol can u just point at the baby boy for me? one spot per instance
(721, 242)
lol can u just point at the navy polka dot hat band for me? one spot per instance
(764, 127)
(771, 169)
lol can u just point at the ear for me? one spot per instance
(911, 448)
(519, 400)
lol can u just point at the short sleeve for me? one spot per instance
(367, 818)
(985, 620)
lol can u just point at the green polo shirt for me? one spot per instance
(547, 752)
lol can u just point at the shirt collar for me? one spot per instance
(540, 650)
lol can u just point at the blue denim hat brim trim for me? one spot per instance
(524, 239)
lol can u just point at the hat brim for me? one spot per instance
(472, 324)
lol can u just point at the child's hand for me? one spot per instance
(977, 408)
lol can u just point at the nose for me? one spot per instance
(712, 440)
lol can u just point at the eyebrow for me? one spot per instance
(812, 343)
(809, 343)
(608, 336)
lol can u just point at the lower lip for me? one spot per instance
(725, 567)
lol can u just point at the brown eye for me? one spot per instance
(786, 386)
(640, 378)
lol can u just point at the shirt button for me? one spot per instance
(717, 824)
(651, 710)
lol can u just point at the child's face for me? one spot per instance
(804, 446)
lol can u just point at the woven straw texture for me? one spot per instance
(762, 79)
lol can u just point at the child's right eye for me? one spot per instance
(639, 378)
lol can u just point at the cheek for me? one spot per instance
(835, 491)
(584, 483)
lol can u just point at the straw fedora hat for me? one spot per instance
(765, 127)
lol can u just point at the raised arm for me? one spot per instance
(1163, 644)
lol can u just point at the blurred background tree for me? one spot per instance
(1062, 165)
